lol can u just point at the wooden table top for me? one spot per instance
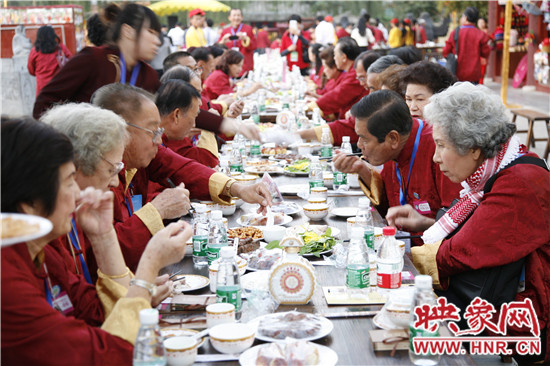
(350, 336)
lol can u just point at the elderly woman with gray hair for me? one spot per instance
(98, 137)
(501, 223)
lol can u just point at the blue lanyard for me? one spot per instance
(130, 208)
(135, 71)
(48, 286)
(403, 195)
(73, 238)
(233, 32)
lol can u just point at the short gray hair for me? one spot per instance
(383, 63)
(471, 117)
(179, 72)
(93, 131)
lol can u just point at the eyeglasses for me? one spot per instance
(198, 70)
(361, 78)
(156, 134)
(117, 167)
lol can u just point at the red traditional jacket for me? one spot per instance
(45, 65)
(426, 183)
(330, 85)
(34, 333)
(87, 71)
(248, 51)
(341, 128)
(186, 149)
(511, 222)
(262, 39)
(216, 84)
(132, 232)
(286, 41)
(472, 45)
(343, 96)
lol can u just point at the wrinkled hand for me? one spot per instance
(407, 218)
(94, 212)
(250, 131)
(347, 115)
(164, 289)
(167, 246)
(193, 131)
(213, 111)
(235, 109)
(257, 193)
(226, 98)
(347, 164)
(172, 202)
(225, 38)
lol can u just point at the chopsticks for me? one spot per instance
(329, 159)
(349, 314)
(172, 185)
(175, 274)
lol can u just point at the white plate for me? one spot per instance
(255, 281)
(272, 170)
(296, 174)
(288, 208)
(303, 228)
(344, 211)
(293, 189)
(326, 328)
(176, 331)
(286, 220)
(327, 356)
(44, 226)
(192, 283)
(381, 320)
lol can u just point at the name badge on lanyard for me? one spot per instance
(403, 193)
(422, 206)
(59, 300)
(137, 202)
(294, 54)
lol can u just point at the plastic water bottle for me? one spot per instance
(363, 219)
(236, 166)
(149, 347)
(224, 165)
(326, 143)
(389, 262)
(315, 173)
(316, 116)
(201, 230)
(217, 238)
(357, 265)
(340, 179)
(228, 282)
(255, 150)
(423, 294)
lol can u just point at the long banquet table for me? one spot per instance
(350, 336)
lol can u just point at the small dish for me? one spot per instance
(316, 211)
(190, 282)
(232, 337)
(275, 232)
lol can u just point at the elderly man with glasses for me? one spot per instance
(147, 160)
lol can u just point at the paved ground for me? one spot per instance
(535, 100)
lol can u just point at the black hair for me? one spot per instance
(362, 25)
(175, 94)
(135, 16)
(97, 30)
(173, 58)
(316, 49)
(327, 55)
(349, 47)
(216, 50)
(385, 111)
(32, 153)
(46, 40)
(178, 72)
(201, 54)
(320, 18)
(367, 58)
(408, 54)
(430, 74)
(296, 17)
(209, 22)
(123, 99)
(383, 63)
(230, 57)
(472, 14)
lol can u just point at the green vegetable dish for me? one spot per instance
(315, 244)
(299, 166)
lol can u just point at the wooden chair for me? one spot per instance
(531, 117)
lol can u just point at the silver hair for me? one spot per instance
(178, 72)
(383, 63)
(93, 131)
(471, 117)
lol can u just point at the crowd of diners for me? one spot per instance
(113, 152)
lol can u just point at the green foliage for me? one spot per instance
(447, 7)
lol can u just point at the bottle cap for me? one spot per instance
(200, 208)
(388, 231)
(216, 215)
(357, 233)
(364, 202)
(149, 316)
(227, 252)
(423, 282)
(345, 139)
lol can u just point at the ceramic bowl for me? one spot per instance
(316, 211)
(398, 306)
(319, 192)
(238, 202)
(317, 200)
(328, 178)
(304, 149)
(275, 232)
(246, 179)
(232, 337)
(181, 351)
(227, 210)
